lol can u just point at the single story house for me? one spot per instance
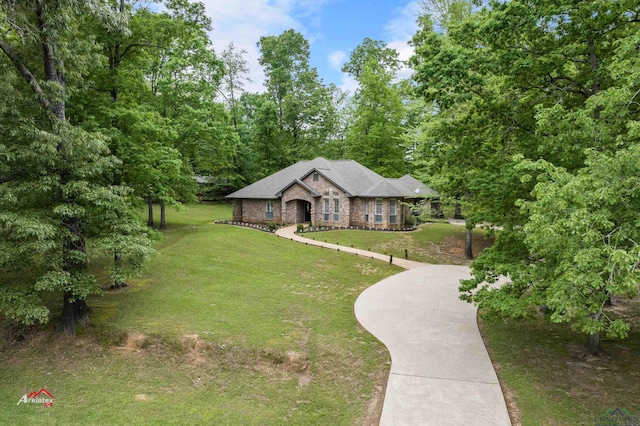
(340, 193)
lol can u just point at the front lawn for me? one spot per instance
(435, 243)
(232, 326)
(228, 325)
(550, 378)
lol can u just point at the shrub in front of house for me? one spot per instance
(409, 221)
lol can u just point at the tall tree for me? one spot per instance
(165, 72)
(375, 135)
(235, 76)
(446, 13)
(57, 193)
(335, 145)
(371, 52)
(266, 141)
(535, 82)
(304, 104)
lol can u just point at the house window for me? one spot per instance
(336, 209)
(392, 211)
(378, 211)
(326, 210)
(316, 177)
(366, 211)
(269, 210)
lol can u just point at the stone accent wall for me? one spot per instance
(290, 212)
(253, 211)
(358, 213)
(327, 190)
(237, 211)
(351, 209)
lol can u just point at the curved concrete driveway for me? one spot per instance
(440, 373)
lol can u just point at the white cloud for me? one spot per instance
(400, 30)
(403, 25)
(337, 59)
(348, 84)
(244, 22)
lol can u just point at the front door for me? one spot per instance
(307, 212)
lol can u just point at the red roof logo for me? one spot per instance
(40, 392)
(42, 396)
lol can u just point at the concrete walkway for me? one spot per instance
(290, 233)
(440, 373)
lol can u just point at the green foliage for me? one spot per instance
(56, 197)
(386, 59)
(531, 97)
(375, 136)
(155, 97)
(304, 110)
(583, 231)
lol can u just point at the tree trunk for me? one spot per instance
(150, 206)
(163, 217)
(76, 312)
(118, 279)
(73, 312)
(53, 102)
(593, 344)
(457, 214)
(468, 243)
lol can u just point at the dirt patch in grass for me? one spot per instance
(454, 246)
(512, 406)
(194, 347)
(135, 341)
(374, 409)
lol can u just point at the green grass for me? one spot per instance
(551, 378)
(436, 243)
(276, 341)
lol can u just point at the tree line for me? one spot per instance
(525, 112)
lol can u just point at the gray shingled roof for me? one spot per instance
(351, 176)
(412, 186)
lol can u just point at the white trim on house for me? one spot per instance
(268, 210)
(379, 208)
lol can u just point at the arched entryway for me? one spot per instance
(304, 211)
(298, 211)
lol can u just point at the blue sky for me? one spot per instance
(333, 27)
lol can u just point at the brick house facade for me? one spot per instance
(340, 193)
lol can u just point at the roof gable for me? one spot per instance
(306, 187)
